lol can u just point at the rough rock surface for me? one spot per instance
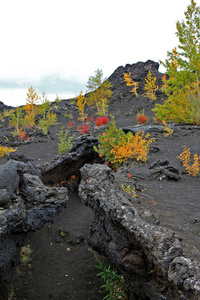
(25, 204)
(150, 257)
(3, 106)
(138, 72)
(64, 166)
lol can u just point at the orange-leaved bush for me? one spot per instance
(191, 167)
(117, 146)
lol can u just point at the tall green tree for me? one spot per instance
(100, 92)
(183, 70)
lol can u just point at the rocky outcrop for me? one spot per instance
(3, 106)
(25, 204)
(62, 167)
(150, 257)
(138, 72)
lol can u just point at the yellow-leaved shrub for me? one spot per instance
(5, 150)
(192, 167)
(117, 146)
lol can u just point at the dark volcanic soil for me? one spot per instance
(61, 266)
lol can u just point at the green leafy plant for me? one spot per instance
(48, 117)
(65, 141)
(183, 70)
(129, 190)
(25, 254)
(114, 283)
(4, 114)
(101, 92)
(68, 116)
(16, 120)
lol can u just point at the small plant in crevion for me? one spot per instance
(192, 167)
(22, 135)
(167, 130)
(114, 283)
(141, 118)
(68, 116)
(129, 190)
(83, 128)
(65, 141)
(25, 254)
(5, 150)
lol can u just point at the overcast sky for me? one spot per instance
(55, 45)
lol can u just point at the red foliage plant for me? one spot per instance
(22, 135)
(142, 119)
(70, 125)
(101, 121)
(90, 119)
(83, 128)
(98, 122)
(104, 120)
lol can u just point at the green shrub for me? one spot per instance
(65, 141)
(114, 284)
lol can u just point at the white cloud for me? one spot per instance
(74, 38)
